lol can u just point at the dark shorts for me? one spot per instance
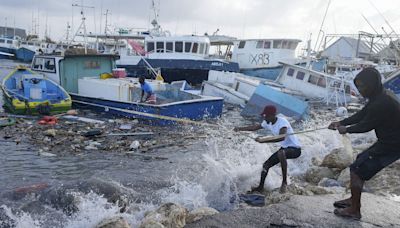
(290, 152)
(374, 159)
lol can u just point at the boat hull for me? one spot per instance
(53, 99)
(158, 114)
(193, 71)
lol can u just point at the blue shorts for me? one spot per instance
(374, 159)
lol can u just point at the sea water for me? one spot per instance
(210, 172)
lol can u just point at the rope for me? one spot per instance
(271, 138)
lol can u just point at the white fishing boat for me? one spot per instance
(316, 85)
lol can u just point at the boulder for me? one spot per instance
(199, 213)
(307, 211)
(344, 178)
(315, 174)
(327, 182)
(169, 215)
(339, 158)
(115, 222)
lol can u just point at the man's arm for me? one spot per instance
(271, 139)
(141, 97)
(376, 114)
(248, 128)
(357, 117)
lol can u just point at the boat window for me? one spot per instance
(267, 44)
(285, 44)
(260, 44)
(195, 47)
(169, 47)
(30, 43)
(178, 46)
(300, 75)
(160, 47)
(290, 72)
(277, 44)
(188, 45)
(347, 89)
(201, 48)
(242, 44)
(150, 46)
(23, 42)
(293, 45)
(38, 64)
(313, 79)
(206, 49)
(2, 41)
(49, 65)
(9, 41)
(322, 82)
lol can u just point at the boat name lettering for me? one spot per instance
(92, 64)
(259, 59)
(216, 64)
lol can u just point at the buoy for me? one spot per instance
(341, 112)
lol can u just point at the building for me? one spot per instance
(11, 32)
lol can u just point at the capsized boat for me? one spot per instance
(26, 92)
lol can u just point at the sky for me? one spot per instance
(300, 19)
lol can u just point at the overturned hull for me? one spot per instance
(286, 104)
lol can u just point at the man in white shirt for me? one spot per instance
(290, 146)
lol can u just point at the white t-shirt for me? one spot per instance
(290, 140)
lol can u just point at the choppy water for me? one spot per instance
(210, 172)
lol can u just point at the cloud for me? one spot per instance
(240, 18)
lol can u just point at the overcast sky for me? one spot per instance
(238, 18)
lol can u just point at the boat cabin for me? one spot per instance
(263, 53)
(177, 47)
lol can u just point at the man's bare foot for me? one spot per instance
(283, 188)
(257, 189)
(342, 203)
(348, 212)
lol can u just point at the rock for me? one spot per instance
(307, 211)
(315, 174)
(327, 182)
(344, 178)
(50, 132)
(199, 213)
(169, 215)
(151, 224)
(317, 190)
(316, 161)
(116, 222)
(134, 145)
(338, 158)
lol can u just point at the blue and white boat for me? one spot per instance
(80, 76)
(8, 47)
(393, 82)
(176, 57)
(261, 57)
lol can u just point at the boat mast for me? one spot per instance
(83, 24)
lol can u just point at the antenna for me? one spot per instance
(106, 25)
(322, 24)
(83, 24)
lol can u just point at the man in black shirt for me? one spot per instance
(382, 114)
